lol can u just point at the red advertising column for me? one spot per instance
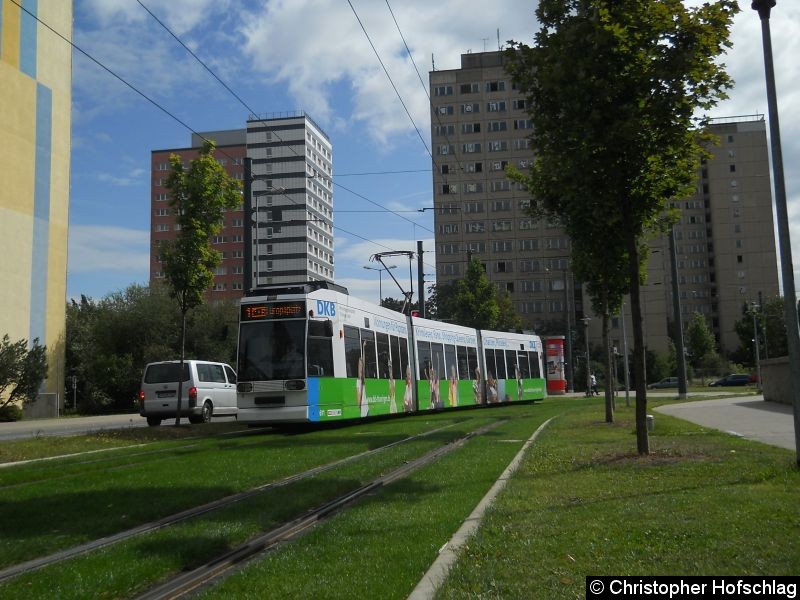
(554, 352)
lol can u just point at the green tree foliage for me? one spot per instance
(474, 303)
(108, 342)
(22, 371)
(199, 197)
(612, 88)
(771, 332)
(700, 342)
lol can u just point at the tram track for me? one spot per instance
(235, 559)
(167, 521)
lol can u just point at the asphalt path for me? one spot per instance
(68, 426)
(750, 417)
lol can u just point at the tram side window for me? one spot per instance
(511, 364)
(472, 359)
(451, 370)
(423, 358)
(524, 367)
(488, 356)
(501, 365)
(394, 353)
(403, 355)
(535, 366)
(463, 365)
(320, 349)
(437, 361)
(352, 350)
(370, 360)
(384, 355)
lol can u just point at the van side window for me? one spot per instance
(231, 374)
(203, 372)
(217, 373)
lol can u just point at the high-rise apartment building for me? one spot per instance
(35, 122)
(289, 236)
(291, 199)
(725, 241)
(231, 150)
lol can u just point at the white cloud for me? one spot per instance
(100, 248)
(136, 176)
(313, 46)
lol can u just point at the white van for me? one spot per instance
(209, 388)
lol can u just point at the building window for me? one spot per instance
(498, 126)
(732, 168)
(470, 128)
(443, 90)
(498, 106)
(161, 212)
(469, 88)
(470, 108)
(501, 205)
(162, 227)
(446, 110)
(473, 207)
(501, 226)
(476, 227)
(497, 146)
(163, 166)
(495, 86)
(518, 104)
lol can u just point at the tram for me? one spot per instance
(309, 352)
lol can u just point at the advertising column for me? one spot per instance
(554, 352)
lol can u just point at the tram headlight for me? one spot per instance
(295, 384)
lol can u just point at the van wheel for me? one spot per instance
(208, 410)
(154, 421)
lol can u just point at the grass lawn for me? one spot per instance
(583, 503)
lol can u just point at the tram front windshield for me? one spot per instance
(270, 350)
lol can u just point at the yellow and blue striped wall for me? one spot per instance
(35, 101)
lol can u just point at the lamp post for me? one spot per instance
(588, 369)
(625, 350)
(380, 271)
(676, 311)
(785, 245)
(568, 372)
(755, 307)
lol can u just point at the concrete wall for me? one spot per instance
(35, 96)
(775, 380)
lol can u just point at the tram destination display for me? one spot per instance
(270, 311)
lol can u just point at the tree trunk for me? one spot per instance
(642, 440)
(180, 366)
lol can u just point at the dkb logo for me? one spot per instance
(327, 308)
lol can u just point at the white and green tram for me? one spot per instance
(309, 352)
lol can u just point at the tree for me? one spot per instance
(108, 342)
(199, 196)
(474, 302)
(22, 371)
(507, 317)
(612, 89)
(700, 342)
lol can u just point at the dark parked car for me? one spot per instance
(669, 382)
(733, 379)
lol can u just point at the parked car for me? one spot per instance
(732, 379)
(669, 382)
(209, 388)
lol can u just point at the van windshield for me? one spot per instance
(165, 373)
(270, 350)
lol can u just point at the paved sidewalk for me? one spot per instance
(746, 416)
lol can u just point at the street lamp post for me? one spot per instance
(625, 350)
(380, 271)
(588, 370)
(755, 307)
(785, 245)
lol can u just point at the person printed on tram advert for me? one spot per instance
(476, 386)
(392, 385)
(408, 394)
(361, 393)
(433, 379)
(491, 389)
(452, 389)
(520, 384)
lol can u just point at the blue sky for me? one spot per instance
(312, 55)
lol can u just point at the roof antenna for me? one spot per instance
(498, 39)
(433, 63)
(484, 43)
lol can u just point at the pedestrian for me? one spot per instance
(594, 386)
